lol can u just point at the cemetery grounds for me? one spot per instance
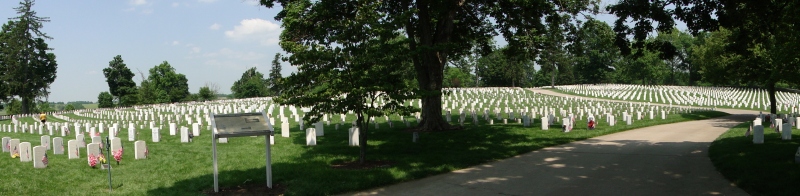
(176, 168)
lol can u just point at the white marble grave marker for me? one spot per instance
(97, 140)
(39, 153)
(93, 150)
(155, 134)
(25, 152)
(786, 131)
(195, 129)
(45, 141)
(184, 135)
(5, 144)
(140, 149)
(172, 128)
(58, 145)
(353, 136)
(116, 144)
(131, 134)
(72, 149)
(81, 143)
(545, 123)
(311, 137)
(758, 134)
(285, 129)
(319, 128)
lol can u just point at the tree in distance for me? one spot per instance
(252, 84)
(164, 85)
(120, 82)
(275, 77)
(206, 94)
(69, 107)
(105, 100)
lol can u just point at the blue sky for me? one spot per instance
(210, 41)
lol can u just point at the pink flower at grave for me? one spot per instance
(118, 155)
(92, 160)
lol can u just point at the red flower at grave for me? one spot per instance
(44, 159)
(92, 160)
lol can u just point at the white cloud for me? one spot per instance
(174, 43)
(138, 2)
(195, 50)
(263, 31)
(207, 1)
(147, 11)
(175, 4)
(214, 26)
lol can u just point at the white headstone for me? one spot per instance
(786, 131)
(545, 125)
(58, 145)
(172, 128)
(25, 152)
(131, 134)
(319, 128)
(72, 149)
(93, 150)
(156, 135)
(39, 156)
(758, 134)
(45, 141)
(5, 144)
(116, 144)
(140, 149)
(184, 135)
(353, 136)
(285, 129)
(195, 129)
(311, 137)
(13, 146)
(81, 143)
(97, 140)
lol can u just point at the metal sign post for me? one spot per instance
(239, 125)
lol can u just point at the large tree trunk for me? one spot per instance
(772, 103)
(362, 139)
(430, 81)
(25, 107)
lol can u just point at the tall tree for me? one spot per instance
(252, 84)
(275, 77)
(105, 100)
(120, 81)
(436, 30)
(29, 68)
(763, 32)
(365, 76)
(164, 85)
(594, 52)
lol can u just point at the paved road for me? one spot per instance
(667, 159)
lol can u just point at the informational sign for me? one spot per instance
(239, 125)
(243, 124)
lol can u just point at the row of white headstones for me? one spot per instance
(37, 154)
(681, 95)
(781, 125)
(467, 101)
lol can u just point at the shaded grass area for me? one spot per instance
(759, 169)
(176, 168)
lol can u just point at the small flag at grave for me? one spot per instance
(44, 159)
(146, 152)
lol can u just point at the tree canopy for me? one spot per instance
(164, 85)
(105, 100)
(252, 84)
(763, 33)
(120, 81)
(275, 77)
(436, 31)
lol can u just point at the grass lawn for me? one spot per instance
(176, 168)
(759, 169)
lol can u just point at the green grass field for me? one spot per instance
(176, 168)
(759, 169)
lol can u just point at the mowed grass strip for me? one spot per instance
(175, 168)
(759, 169)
